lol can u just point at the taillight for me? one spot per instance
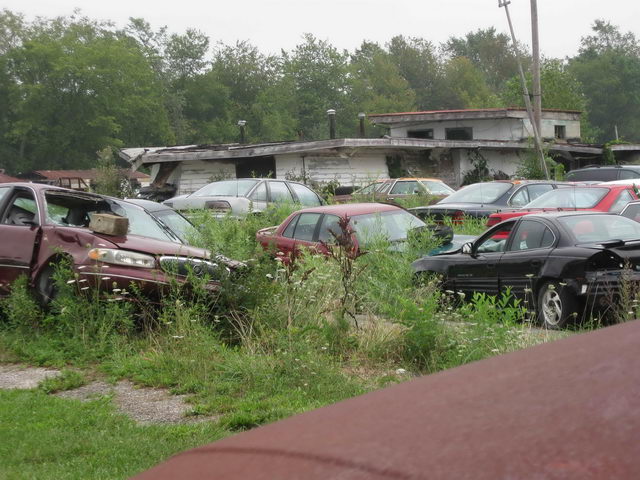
(218, 205)
(493, 220)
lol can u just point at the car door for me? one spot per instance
(529, 246)
(279, 192)
(259, 197)
(478, 272)
(19, 228)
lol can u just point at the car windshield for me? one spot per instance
(601, 228)
(478, 193)
(437, 188)
(226, 188)
(570, 197)
(389, 226)
(179, 225)
(142, 223)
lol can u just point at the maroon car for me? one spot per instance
(312, 228)
(41, 226)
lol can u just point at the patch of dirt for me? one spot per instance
(144, 405)
(17, 376)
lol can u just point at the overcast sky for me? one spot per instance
(278, 24)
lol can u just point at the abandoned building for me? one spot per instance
(443, 144)
(79, 179)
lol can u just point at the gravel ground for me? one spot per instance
(144, 405)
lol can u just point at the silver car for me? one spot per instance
(244, 195)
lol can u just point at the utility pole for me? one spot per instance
(535, 50)
(525, 91)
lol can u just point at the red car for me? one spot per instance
(311, 227)
(41, 226)
(596, 198)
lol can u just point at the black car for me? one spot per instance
(604, 173)
(482, 199)
(560, 262)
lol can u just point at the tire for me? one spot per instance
(557, 306)
(45, 286)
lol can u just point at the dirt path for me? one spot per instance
(144, 405)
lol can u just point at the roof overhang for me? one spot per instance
(138, 157)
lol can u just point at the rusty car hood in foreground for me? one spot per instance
(562, 410)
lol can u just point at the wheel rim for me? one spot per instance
(551, 307)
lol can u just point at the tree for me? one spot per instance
(419, 65)
(608, 67)
(490, 52)
(466, 86)
(75, 87)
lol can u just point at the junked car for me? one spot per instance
(596, 198)
(245, 195)
(42, 226)
(399, 188)
(559, 262)
(479, 200)
(315, 229)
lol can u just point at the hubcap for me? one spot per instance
(551, 307)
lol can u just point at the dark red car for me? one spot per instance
(41, 226)
(595, 198)
(311, 228)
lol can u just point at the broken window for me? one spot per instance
(461, 133)
(426, 133)
(560, 132)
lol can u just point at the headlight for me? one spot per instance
(122, 257)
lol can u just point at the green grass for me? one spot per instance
(49, 437)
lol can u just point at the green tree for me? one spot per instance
(608, 67)
(490, 52)
(466, 86)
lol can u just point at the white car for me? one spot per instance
(244, 195)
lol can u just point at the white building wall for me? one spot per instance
(497, 161)
(196, 174)
(347, 170)
(487, 129)
(548, 128)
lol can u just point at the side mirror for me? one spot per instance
(467, 248)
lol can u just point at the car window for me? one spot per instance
(22, 210)
(305, 195)
(329, 225)
(288, 232)
(390, 226)
(539, 189)
(601, 228)
(624, 198)
(531, 234)
(496, 242)
(3, 192)
(405, 188)
(479, 193)
(520, 199)
(384, 187)
(260, 193)
(368, 189)
(306, 226)
(570, 197)
(627, 174)
(437, 188)
(632, 212)
(280, 193)
(226, 188)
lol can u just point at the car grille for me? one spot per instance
(183, 266)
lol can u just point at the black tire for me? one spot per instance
(45, 286)
(556, 305)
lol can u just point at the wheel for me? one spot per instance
(46, 289)
(557, 306)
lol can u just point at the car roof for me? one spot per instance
(147, 204)
(351, 209)
(562, 409)
(564, 213)
(419, 179)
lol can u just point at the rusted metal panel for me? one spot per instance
(563, 410)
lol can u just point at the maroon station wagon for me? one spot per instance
(41, 225)
(311, 228)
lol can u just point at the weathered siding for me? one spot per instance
(497, 161)
(196, 174)
(347, 170)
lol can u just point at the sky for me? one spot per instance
(273, 25)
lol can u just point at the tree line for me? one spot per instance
(71, 86)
